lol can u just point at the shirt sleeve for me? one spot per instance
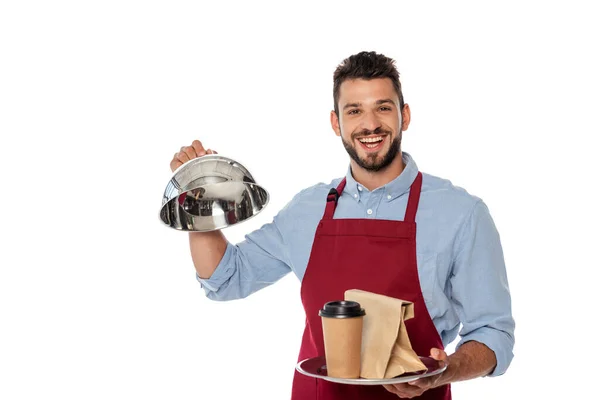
(480, 291)
(253, 264)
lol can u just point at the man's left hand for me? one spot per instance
(419, 386)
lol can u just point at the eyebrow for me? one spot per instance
(350, 105)
(378, 102)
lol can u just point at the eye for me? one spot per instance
(353, 112)
(385, 108)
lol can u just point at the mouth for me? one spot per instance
(371, 143)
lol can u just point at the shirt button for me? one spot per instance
(355, 195)
(389, 196)
(369, 211)
(360, 189)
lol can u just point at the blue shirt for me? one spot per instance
(459, 256)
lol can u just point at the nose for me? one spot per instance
(370, 121)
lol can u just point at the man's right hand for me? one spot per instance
(207, 248)
(187, 153)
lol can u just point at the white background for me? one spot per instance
(99, 300)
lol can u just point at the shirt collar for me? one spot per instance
(397, 187)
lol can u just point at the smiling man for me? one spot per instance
(387, 228)
(373, 118)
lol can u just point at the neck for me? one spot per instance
(374, 179)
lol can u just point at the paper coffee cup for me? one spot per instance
(342, 335)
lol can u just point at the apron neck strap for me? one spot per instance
(413, 199)
(332, 199)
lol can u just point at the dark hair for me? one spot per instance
(365, 65)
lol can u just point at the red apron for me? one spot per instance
(369, 254)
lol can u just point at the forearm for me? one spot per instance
(207, 249)
(471, 360)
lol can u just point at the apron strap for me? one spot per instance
(332, 199)
(413, 199)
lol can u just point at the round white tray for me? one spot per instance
(316, 368)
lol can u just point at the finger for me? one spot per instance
(438, 354)
(209, 151)
(423, 383)
(197, 145)
(403, 390)
(415, 383)
(393, 390)
(189, 151)
(409, 391)
(182, 157)
(175, 163)
(390, 388)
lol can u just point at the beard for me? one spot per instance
(373, 162)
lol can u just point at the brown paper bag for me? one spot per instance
(386, 351)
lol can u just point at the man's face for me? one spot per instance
(370, 122)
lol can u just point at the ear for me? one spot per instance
(335, 123)
(405, 117)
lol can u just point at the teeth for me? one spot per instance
(371, 140)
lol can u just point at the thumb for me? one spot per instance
(439, 355)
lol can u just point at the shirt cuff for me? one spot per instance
(498, 341)
(222, 273)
